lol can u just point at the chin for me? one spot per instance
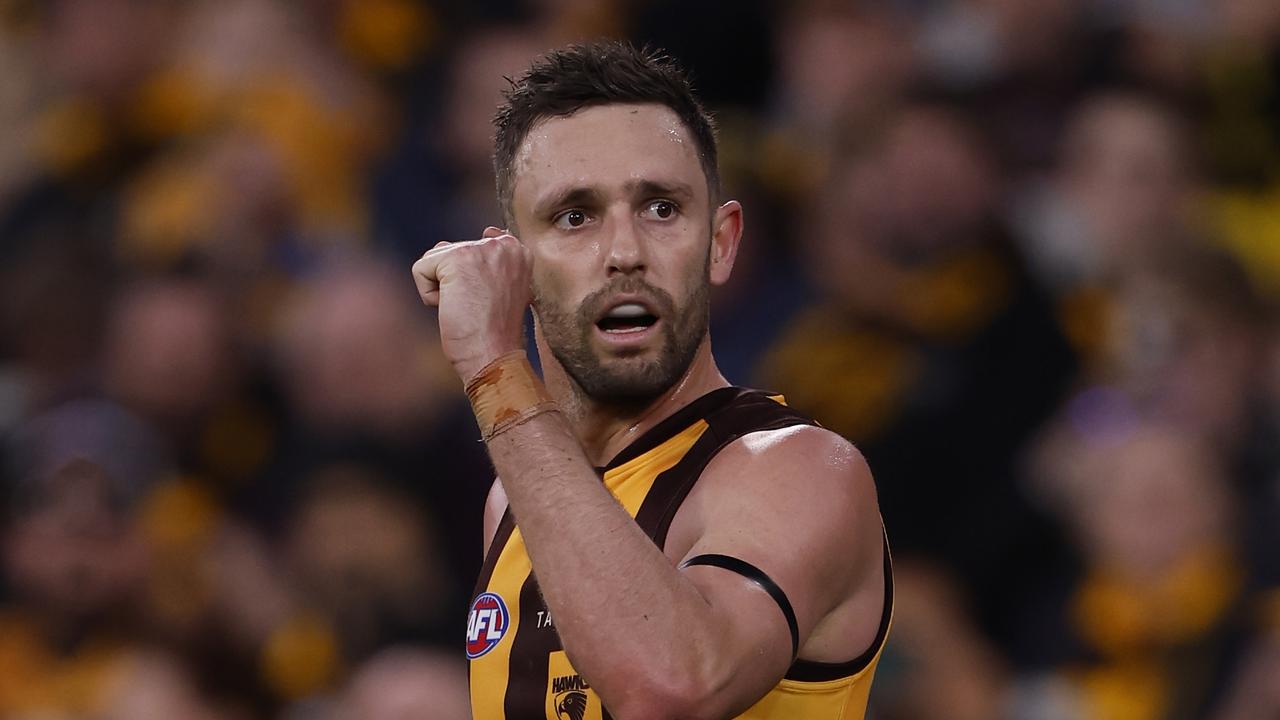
(630, 380)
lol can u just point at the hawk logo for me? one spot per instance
(571, 705)
(569, 695)
(486, 624)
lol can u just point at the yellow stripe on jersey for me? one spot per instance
(489, 672)
(840, 698)
(630, 482)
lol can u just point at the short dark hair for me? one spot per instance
(598, 73)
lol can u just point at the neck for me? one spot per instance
(604, 429)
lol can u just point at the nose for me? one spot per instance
(627, 251)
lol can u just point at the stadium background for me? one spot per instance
(1025, 253)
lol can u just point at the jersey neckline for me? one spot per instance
(674, 423)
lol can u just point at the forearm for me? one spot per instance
(626, 615)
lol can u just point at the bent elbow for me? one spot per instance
(665, 699)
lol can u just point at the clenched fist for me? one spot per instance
(482, 288)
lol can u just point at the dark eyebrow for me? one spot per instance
(677, 191)
(566, 197)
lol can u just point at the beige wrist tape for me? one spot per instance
(506, 393)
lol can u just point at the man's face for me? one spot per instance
(614, 206)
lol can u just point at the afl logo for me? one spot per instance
(486, 624)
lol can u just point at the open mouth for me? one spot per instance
(627, 318)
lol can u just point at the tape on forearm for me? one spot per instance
(506, 393)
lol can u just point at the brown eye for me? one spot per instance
(661, 209)
(571, 219)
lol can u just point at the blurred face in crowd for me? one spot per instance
(475, 87)
(363, 554)
(836, 64)
(154, 685)
(92, 45)
(937, 186)
(168, 349)
(1149, 501)
(353, 351)
(399, 684)
(613, 203)
(1188, 355)
(920, 189)
(1249, 20)
(1125, 165)
(73, 551)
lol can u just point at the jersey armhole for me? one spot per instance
(816, 671)
(758, 576)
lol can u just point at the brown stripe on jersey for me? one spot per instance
(750, 411)
(527, 673)
(675, 423)
(530, 654)
(672, 487)
(530, 650)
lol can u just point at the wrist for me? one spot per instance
(505, 393)
(471, 365)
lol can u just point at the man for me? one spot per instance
(660, 543)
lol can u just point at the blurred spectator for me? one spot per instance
(167, 351)
(272, 135)
(368, 385)
(368, 560)
(73, 556)
(1124, 189)
(49, 336)
(438, 183)
(1187, 344)
(405, 683)
(156, 686)
(1155, 613)
(939, 664)
(838, 69)
(354, 353)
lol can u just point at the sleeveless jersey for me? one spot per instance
(518, 667)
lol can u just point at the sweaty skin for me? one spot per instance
(614, 196)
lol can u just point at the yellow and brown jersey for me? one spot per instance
(518, 668)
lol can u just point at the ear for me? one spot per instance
(726, 232)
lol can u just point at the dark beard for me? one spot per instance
(622, 381)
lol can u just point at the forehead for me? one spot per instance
(605, 146)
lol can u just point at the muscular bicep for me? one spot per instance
(781, 534)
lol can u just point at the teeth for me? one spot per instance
(629, 310)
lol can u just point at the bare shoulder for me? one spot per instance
(806, 481)
(798, 447)
(801, 461)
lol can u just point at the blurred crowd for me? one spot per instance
(1024, 253)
